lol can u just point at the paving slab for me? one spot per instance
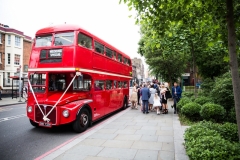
(146, 154)
(118, 144)
(165, 139)
(147, 145)
(166, 155)
(103, 136)
(119, 153)
(99, 158)
(128, 137)
(151, 138)
(93, 142)
(168, 146)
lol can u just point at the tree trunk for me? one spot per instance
(233, 60)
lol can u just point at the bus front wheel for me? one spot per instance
(33, 123)
(82, 121)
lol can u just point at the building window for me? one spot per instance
(0, 38)
(0, 57)
(9, 58)
(8, 77)
(17, 41)
(9, 39)
(25, 68)
(16, 59)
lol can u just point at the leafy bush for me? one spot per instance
(192, 98)
(207, 86)
(229, 131)
(222, 92)
(212, 147)
(187, 94)
(198, 131)
(213, 112)
(200, 93)
(191, 110)
(231, 117)
(204, 142)
(202, 100)
(182, 102)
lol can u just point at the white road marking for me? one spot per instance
(12, 117)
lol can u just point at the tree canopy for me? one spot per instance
(206, 31)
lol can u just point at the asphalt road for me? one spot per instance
(19, 140)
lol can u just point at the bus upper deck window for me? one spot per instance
(61, 39)
(84, 41)
(119, 57)
(99, 47)
(114, 55)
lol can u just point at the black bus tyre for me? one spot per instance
(125, 104)
(33, 123)
(82, 121)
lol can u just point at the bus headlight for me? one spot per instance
(29, 109)
(65, 113)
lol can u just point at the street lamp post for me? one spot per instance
(20, 84)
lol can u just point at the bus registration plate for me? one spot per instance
(45, 124)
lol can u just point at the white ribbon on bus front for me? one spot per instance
(45, 116)
(35, 97)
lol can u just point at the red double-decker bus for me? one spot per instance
(75, 77)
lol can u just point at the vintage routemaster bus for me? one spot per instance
(75, 77)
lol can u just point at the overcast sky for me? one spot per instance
(106, 19)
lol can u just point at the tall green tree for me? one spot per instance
(201, 17)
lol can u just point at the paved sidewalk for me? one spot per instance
(128, 135)
(6, 101)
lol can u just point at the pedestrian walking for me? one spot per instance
(1, 89)
(145, 96)
(165, 94)
(151, 101)
(133, 97)
(25, 90)
(138, 94)
(157, 104)
(176, 94)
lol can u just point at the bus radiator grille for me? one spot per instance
(39, 116)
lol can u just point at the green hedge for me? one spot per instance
(212, 112)
(231, 117)
(229, 131)
(187, 94)
(205, 141)
(222, 92)
(182, 102)
(202, 100)
(191, 110)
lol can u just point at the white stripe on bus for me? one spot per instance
(73, 69)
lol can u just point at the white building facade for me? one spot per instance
(11, 55)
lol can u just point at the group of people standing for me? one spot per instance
(154, 97)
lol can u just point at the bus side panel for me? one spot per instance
(99, 104)
(84, 57)
(98, 61)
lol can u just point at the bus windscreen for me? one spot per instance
(42, 41)
(62, 39)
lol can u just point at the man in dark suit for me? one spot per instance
(176, 93)
(145, 92)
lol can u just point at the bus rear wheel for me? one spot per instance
(125, 103)
(33, 123)
(82, 121)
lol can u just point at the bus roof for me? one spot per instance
(69, 27)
